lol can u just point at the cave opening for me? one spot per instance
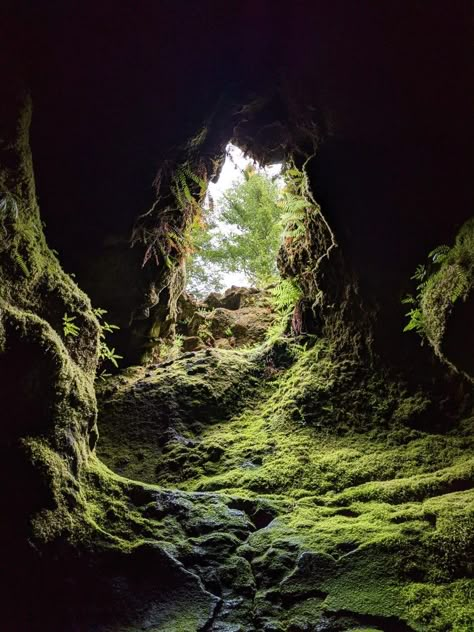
(296, 456)
(240, 226)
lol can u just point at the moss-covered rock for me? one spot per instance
(345, 503)
(162, 408)
(447, 303)
(47, 377)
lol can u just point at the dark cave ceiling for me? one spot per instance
(114, 87)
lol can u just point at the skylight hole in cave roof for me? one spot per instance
(233, 172)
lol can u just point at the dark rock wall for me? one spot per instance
(382, 92)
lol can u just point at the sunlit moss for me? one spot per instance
(330, 448)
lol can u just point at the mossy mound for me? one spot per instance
(162, 409)
(447, 303)
(349, 513)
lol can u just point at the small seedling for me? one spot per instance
(69, 328)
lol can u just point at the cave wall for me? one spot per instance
(48, 413)
(381, 93)
(378, 93)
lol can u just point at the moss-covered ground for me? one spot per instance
(303, 489)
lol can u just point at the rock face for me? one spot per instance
(239, 317)
(446, 303)
(172, 401)
(290, 510)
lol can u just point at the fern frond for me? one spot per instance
(420, 273)
(285, 295)
(21, 264)
(460, 283)
(439, 254)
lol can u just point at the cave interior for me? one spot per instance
(318, 480)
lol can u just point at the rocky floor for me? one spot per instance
(294, 491)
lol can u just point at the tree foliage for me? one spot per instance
(242, 233)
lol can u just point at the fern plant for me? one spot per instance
(170, 349)
(426, 276)
(106, 353)
(415, 315)
(439, 254)
(285, 295)
(164, 229)
(293, 216)
(294, 209)
(69, 327)
(21, 263)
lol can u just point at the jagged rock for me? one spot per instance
(234, 298)
(147, 589)
(239, 317)
(168, 403)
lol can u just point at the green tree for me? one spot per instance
(242, 234)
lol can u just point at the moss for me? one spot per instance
(169, 405)
(48, 404)
(31, 274)
(442, 607)
(366, 584)
(299, 614)
(451, 283)
(347, 480)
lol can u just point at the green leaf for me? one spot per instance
(69, 327)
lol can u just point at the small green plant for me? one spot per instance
(228, 332)
(21, 263)
(442, 258)
(170, 349)
(69, 327)
(204, 332)
(285, 296)
(165, 229)
(415, 315)
(295, 208)
(106, 353)
(103, 375)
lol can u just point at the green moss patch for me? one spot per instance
(342, 508)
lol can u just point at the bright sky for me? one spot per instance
(232, 169)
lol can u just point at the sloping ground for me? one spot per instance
(304, 492)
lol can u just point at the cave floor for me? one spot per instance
(304, 492)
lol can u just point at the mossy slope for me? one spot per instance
(358, 514)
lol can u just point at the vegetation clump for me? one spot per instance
(447, 280)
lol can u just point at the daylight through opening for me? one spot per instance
(237, 237)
